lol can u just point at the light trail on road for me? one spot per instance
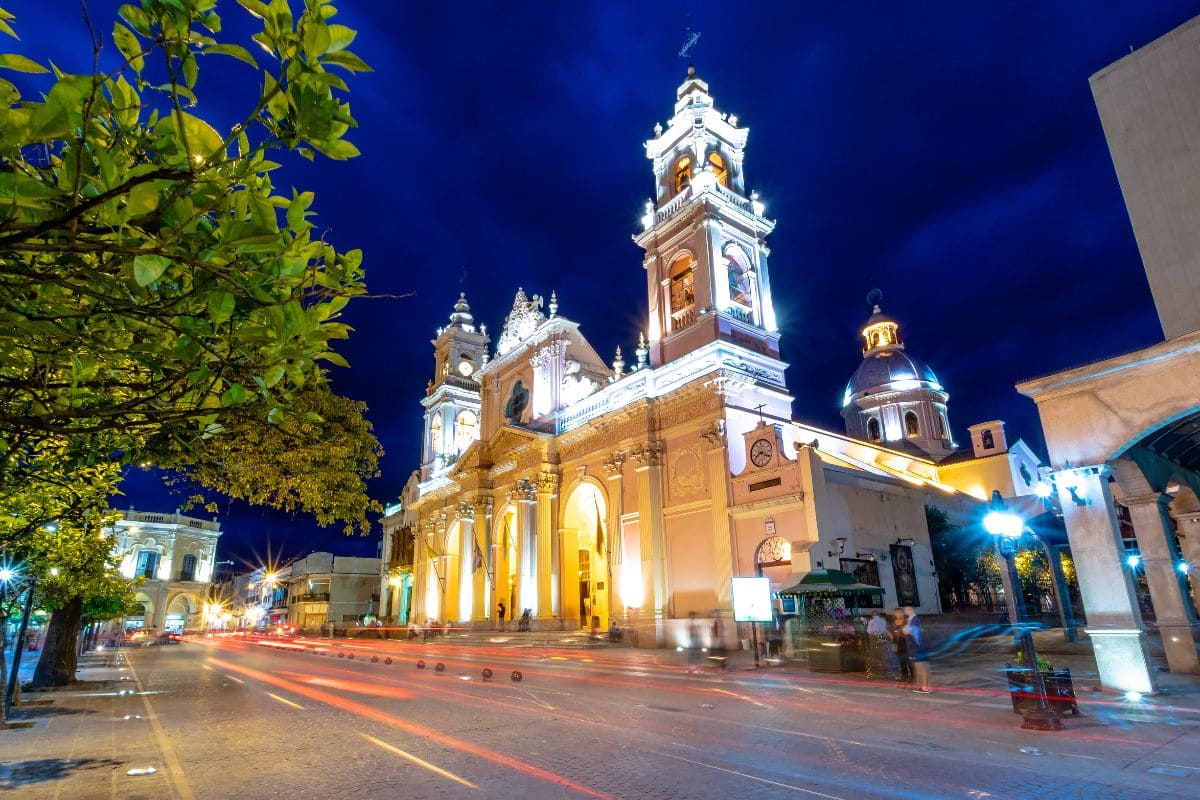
(367, 712)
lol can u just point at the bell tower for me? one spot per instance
(704, 236)
(452, 399)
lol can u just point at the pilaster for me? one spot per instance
(614, 473)
(647, 460)
(481, 597)
(722, 529)
(547, 499)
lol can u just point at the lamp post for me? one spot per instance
(1007, 528)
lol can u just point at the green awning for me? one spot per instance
(830, 582)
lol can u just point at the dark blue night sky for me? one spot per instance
(948, 153)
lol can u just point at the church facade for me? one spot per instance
(590, 492)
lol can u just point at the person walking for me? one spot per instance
(903, 645)
(693, 631)
(918, 650)
(501, 610)
(877, 634)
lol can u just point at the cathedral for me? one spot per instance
(634, 491)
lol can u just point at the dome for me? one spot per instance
(883, 367)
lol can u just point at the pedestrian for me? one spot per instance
(918, 650)
(693, 632)
(877, 634)
(501, 610)
(717, 643)
(901, 640)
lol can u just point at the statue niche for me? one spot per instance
(518, 399)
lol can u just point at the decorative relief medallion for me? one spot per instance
(687, 472)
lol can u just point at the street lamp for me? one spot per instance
(1007, 528)
(10, 689)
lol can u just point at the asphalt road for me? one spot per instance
(250, 719)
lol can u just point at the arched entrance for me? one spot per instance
(587, 582)
(181, 613)
(146, 618)
(504, 564)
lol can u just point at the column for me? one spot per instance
(1173, 611)
(385, 559)
(1114, 624)
(647, 459)
(526, 586)
(547, 498)
(501, 588)
(1062, 593)
(481, 606)
(1189, 540)
(450, 567)
(615, 472)
(722, 529)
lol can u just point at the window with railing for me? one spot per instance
(682, 175)
(187, 572)
(147, 565)
(683, 290)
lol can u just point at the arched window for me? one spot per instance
(464, 430)
(989, 441)
(875, 339)
(188, 571)
(873, 429)
(683, 284)
(737, 268)
(912, 426)
(941, 425)
(435, 434)
(682, 174)
(719, 169)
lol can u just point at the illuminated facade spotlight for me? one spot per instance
(1133, 560)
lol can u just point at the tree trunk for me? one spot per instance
(59, 658)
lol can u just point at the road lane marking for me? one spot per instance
(183, 789)
(748, 775)
(239, 680)
(420, 762)
(285, 701)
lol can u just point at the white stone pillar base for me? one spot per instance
(1179, 642)
(1122, 660)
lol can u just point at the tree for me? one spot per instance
(71, 563)
(151, 278)
(153, 283)
(958, 553)
(318, 459)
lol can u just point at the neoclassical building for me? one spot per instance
(583, 490)
(175, 555)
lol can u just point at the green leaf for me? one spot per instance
(220, 306)
(255, 7)
(235, 50)
(135, 17)
(338, 150)
(334, 358)
(191, 70)
(232, 396)
(20, 63)
(316, 39)
(346, 60)
(149, 268)
(129, 46)
(340, 37)
(143, 199)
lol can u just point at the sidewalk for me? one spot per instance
(80, 742)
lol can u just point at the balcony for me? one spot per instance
(312, 597)
(683, 317)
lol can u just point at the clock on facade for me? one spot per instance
(465, 368)
(760, 452)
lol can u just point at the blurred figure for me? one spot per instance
(501, 610)
(693, 631)
(918, 650)
(877, 637)
(903, 646)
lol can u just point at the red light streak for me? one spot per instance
(430, 734)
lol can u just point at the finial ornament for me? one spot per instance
(642, 350)
(618, 365)
(874, 298)
(553, 303)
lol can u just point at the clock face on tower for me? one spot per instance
(760, 452)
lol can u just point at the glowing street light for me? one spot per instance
(1007, 528)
